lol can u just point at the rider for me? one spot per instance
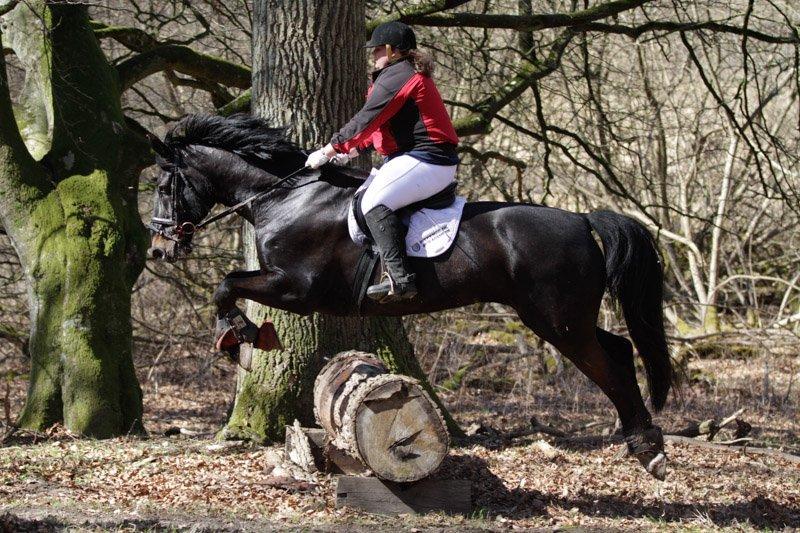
(405, 120)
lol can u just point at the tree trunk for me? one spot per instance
(74, 222)
(309, 74)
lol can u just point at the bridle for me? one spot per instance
(169, 226)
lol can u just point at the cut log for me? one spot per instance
(386, 421)
(453, 496)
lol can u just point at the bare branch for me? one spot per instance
(186, 61)
(239, 104)
(408, 13)
(132, 38)
(484, 111)
(525, 22)
(670, 26)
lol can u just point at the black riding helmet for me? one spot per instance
(396, 34)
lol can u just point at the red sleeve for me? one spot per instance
(383, 102)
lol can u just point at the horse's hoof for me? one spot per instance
(245, 358)
(657, 467)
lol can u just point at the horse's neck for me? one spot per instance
(235, 180)
(232, 178)
(309, 201)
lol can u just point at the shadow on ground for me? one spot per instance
(493, 497)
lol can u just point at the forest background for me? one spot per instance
(683, 115)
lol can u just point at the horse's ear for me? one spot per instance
(159, 147)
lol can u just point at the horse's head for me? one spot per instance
(178, 205)
(208, 159)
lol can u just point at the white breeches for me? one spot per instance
(404, 180)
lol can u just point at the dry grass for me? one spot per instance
(188, 482)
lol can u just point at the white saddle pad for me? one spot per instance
(431, 232)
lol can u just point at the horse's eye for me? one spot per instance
(163, 189)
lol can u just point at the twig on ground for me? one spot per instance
(711, 427)
(683, 436)
(744, 449)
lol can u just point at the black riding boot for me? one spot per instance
(388, 233)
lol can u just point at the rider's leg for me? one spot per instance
(400, 182)
(388, 233)
(404, 180)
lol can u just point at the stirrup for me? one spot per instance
(387, 290)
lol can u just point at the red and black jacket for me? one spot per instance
(404, 112)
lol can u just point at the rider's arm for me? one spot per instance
(365, 147)
(384, 101)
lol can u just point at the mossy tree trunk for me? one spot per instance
(310, 74)
(73, 219)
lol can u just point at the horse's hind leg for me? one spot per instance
(644, 441)
(607, 360)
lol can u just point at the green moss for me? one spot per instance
(84, 301)
(454, 382)
(472, 124)
(515, 326)
(717, 350)
(240, 103)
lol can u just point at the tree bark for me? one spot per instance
(309, 74)
(74, 222)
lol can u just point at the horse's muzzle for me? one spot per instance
(162, 249)
(156, 253)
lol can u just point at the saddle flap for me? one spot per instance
(441, 200)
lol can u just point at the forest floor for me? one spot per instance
(189, 481)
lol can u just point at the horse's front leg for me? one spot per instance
(233, 328)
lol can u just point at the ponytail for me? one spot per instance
(423, 62)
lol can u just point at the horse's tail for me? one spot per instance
(635, 280)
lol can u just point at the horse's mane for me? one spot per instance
(241, 133)
(249, 137)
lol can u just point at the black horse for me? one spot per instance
(543, 262)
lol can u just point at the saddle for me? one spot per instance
(444, 198)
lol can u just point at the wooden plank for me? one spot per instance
(373, 495)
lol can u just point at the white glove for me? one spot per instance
(342, 159)
(316, 159)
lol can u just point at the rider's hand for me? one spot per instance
(316, 159)
(340, 160)
(343, 159)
